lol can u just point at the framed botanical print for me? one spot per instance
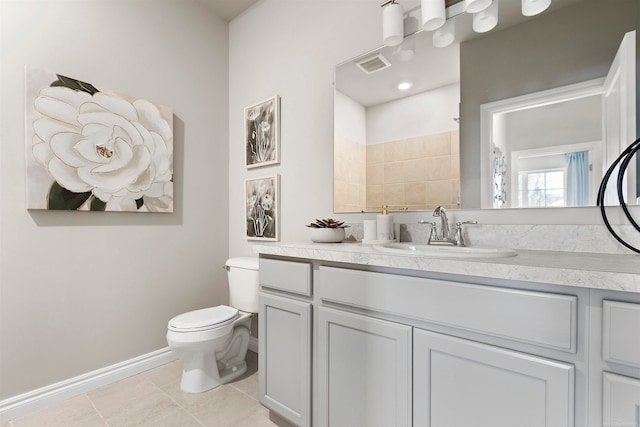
(262, 201)
(92, 149)
(262, 133)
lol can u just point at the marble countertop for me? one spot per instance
(587, 270)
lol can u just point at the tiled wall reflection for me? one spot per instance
(417, 173)
(349, 175)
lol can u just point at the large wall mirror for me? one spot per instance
(528, 115)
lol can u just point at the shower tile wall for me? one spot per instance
(416, 173)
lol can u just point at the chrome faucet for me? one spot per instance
(444, 223)
(444, 238)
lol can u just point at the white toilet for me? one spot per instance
(212, 342)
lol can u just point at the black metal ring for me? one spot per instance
(625, 157)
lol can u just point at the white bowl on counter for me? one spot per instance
(326, 235)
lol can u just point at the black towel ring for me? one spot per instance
(624, 159)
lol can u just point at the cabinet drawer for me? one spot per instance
(287, 276)
(620, 336)
(542, 319)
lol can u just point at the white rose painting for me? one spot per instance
(262, 135)
(261, 208)
(90, 149)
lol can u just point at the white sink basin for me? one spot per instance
(435, 251)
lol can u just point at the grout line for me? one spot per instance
(243, 392)
(96, 409)
(180, 406)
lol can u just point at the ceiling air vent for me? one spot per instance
(373, 63)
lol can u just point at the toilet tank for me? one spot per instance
(242, 274)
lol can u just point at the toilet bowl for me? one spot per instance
(212, 342)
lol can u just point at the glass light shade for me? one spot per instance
(445, 35)
(392, 25)
(475, 6)
(534, 7)
(434, 14)
(487, 19)
(406, 50)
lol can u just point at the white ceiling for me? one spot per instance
(227, 9)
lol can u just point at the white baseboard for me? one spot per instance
(253, 344)
(34, 400)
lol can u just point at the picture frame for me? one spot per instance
(262, 133)
(262, 208)
(89, 148)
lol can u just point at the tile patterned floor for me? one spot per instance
(154, 398)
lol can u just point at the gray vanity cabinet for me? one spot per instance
(458, 382)
(351, 345)
(620, 400)
(285, 339)
(364, 371)
(373, 333)
(616, 371)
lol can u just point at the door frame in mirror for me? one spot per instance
(593, 87)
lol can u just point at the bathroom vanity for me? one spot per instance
(350, 336)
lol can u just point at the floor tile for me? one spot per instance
(257, 417)
(219, 407)
(112, 398)
(70, 412)
(177, 419)
(154, 399)
(165, 374)
(140, 411)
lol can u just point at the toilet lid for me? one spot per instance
(203, 319)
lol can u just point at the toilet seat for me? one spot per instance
(204, 319)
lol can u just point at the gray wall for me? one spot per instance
(83, 290)
(290, 48)
(571, 45)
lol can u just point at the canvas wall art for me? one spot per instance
(89, 148)
(262, 208)
(262, 133)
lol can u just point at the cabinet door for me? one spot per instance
(364, 371)
(621, 401)
(463, 383)
(285, 357)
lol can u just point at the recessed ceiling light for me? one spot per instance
(404, 85)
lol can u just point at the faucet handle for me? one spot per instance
(459, 237)
(433, 234)
(459, 224)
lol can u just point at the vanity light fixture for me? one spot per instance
(445, 35)
(434, 18)
(534, 7)
(487, 19)
(433, 14)
(392, 23)
(475, 6)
